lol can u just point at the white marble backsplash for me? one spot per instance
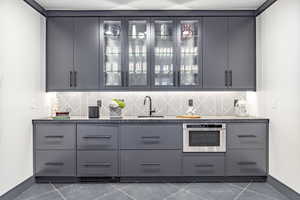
(165, 103)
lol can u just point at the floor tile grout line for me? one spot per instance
(124, 192)
(262, 194)
(57, 190)
(174, 193)
(239, 194)
(39, 195)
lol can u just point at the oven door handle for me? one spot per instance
(205, 129)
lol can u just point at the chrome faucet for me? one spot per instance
(151, 111)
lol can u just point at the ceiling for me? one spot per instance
(150, 4)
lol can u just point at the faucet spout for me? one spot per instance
(151, 111)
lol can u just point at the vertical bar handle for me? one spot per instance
(71, 79)
(226, 78)
(230, 78)
(75, 78)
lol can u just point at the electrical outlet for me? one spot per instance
(99, 103)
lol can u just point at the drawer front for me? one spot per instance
(145, 163)
(55, 136)
(203, 165)
(97, 163)
(247, 136)
(55, 163)
(97, 137)
(151, 137)
(246, 163)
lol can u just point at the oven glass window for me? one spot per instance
(204, 138)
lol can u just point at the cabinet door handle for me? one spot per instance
(226, 78)
(123, 79)
(54, 136)
(98, 165)
(230, 78)
(97, 137)
(246, 163)
(203, 165)
(150, 137)
(150, 164)
(75, 78)
(54, 164)
(174, 78)
(71, 79)
(247, 136)
(179, 76)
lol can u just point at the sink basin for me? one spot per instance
(153, 116)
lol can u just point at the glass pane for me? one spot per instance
(137, 40)
(163, 53)
(204, 138)
(112, 53)
(189, 65)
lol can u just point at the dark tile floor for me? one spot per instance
(152, 191)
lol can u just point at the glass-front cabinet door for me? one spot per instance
(112, 68)
(138, 51)
(163, 53)
(189, 53)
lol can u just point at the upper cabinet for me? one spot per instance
(157, 53)
(229, 53)
(72, 54)
(190, 53)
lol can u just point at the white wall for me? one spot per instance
(22, 96)
(278, 31)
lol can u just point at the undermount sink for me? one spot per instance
(153, 116)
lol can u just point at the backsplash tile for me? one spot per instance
(165, 103)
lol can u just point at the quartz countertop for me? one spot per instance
(156, 119)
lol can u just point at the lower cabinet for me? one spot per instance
(55, 163)
(147, 163)
(199, 165)
(97, 163)
(246, 162)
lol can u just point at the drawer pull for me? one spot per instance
(247, 136)
(204, 165)
(98, 137)
(150, 164)
(54, 136)
(54, 164)
(98, 165)
(246, 163)
(151, 137)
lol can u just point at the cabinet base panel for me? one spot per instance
(149, 179)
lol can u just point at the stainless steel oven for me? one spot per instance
(208, 137)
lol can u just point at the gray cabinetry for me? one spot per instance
(55, 136)
(150, 163)
(54, 148)
(247, 136)
(97, 163)
(55, 163)
(215, 47)
(86, 53)
(102, 137)
(72, 53)
(201, 165)
(156, 53)
(246, 162)
(247, 149)
(241, 55)
(229, 53)
(151, 136)
(60, 57)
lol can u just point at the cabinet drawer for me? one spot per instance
(96, 136)
(247, 136)
(246, 163)
(55, 163)
(150, 163)
(203, 165)
(97, 163)
(55, 136)
(151, 137)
